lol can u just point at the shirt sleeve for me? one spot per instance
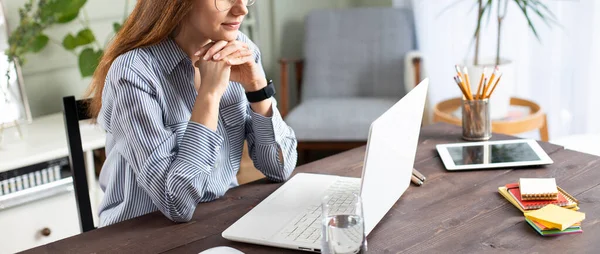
(173, 174)
(271, 142)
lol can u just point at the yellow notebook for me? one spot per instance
(557, 217)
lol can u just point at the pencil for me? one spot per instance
(462, 88)
(467, 89)
(490, 81)
(480, 83)
(467, 80)
(418, 175)
(494, 87)
(484, 85)
(463, 78)
(416, 180)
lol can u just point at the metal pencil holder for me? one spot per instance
(476, 121)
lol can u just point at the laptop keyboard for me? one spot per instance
(306, 228)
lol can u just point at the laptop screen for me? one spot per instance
(390, 155)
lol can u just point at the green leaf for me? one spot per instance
(39, 43)
(547, 17)
(523, 8)
(84, 37)
(66, 6)
(67, 17)
(88, 61)
(485, 8)
(489, 7)
(537, 2)
(61, 11)
(116, 27)
(69, 42)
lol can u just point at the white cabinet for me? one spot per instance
(44, 209)
(39, 222)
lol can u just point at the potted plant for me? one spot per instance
(30, 36)
(38, 15)
(529, 8)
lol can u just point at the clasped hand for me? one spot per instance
(222, 61)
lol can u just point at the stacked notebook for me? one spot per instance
(548, 209)
(554, 220)
(538, 189)
(513, 194)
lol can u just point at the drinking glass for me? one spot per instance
(343, 225)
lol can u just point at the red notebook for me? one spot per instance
(513, 189)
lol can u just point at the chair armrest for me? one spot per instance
(291, 60)
(413, 70)
(284, 95)
(413, 74)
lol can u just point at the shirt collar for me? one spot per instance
(169, 54)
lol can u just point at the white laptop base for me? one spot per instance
(269, 224)
(291, 216)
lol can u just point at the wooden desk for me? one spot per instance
(458, 212)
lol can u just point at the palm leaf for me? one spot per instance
(544, 17)
(485, 8)
(488, 5)
(548, 16)
(537, 2)
(533, 8)
(523, 6)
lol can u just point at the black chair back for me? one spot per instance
(75, 111)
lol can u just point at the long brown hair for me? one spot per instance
(150, 22)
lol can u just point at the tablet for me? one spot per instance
(492, 154)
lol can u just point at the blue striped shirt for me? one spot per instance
(157, 159)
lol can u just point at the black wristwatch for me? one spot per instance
(262, 94)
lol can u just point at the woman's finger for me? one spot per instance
(230, 49)
(218, 46)
(204, 49)
(239, 55)
(240, 60)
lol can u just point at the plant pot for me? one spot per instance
(500, 99)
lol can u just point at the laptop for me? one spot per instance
(291, 216)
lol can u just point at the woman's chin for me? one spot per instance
(226, 36)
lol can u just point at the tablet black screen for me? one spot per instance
(496, 153)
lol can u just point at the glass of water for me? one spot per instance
(343, 225)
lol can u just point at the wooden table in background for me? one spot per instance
(535, 119)
(454, 212)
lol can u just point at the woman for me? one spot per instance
(170, 91)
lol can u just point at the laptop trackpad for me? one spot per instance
(301, 191)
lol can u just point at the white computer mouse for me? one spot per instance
(221, 250)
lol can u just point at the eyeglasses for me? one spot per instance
(225, 5)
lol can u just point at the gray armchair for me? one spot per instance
(357, 64)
